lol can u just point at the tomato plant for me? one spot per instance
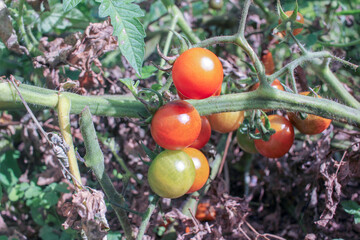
(299, 18)
(245, 142)
(197, 73)
(226, 121)
(175, 125)
(275, 84)
(171, 174)
(205, 134)
(280, 142)
(205, 212)
(312, 124)
(202, 169)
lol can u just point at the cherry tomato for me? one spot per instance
(197, 73)
(226, 121)
(299, 18)
(171, 174)
(175, 125)
(205, 212)
(182, 97)
(202, 169)
(312, 124)
(204, 135)
(280, 142)
(268, 61)
(245, 142)
(275, 84)
(216, 4)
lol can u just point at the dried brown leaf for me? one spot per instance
(7, 33)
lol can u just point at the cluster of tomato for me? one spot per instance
(177, 126)
(281, 141)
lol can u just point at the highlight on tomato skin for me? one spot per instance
(202, 169)
(312, 124)
(175, 125)
(205, 134)
(197, 73)
(171, 174)
(280, 142)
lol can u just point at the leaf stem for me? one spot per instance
(63, 108)
(94, 159)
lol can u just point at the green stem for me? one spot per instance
(63, 108)
(167, 45)
(303, 50)
(184, 26)
(20, 22)
(122, 106)
(263, 8)
(107, 105)
(146, 217)
(324, 73)
(243, 43)
(349, 44)
(94, 159)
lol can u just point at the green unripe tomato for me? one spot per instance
(171, 174)
(216, 4)
(245, 142)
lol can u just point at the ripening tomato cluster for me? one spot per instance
(179, 169)
(177, 126)
(281, 141)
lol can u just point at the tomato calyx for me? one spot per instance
(292, 24)
(257, 126)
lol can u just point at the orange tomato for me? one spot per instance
(205, 212)
(275, 84)
(312, 124)
(268, 61)
(202, 169)
(226, 121)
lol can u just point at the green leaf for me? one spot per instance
(9, 169)
(33, 191)
(70, 4)
(56, 19)
(127, 28)
(36, 215)
(114, 236)
(131, 84)
(48, 232)
(1, 193)
(352, 208)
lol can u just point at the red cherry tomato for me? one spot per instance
(312, 124)
(176, 125)
(226, 121)
(205, 212)
(275, 84)
(299, 18)
(268, 61)
(280, 142)
(197, 73)
(205, 134)
(201, 168)
(171, 174)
